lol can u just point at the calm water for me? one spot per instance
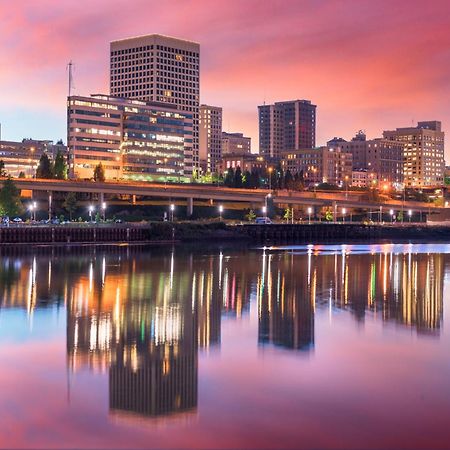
(320, 346)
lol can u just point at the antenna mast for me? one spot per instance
(69, 67)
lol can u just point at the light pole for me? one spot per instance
(343, 214)
(346, 186)
(220, 212)
(391, 212)
(270, 169)
(172, 209)
(91, 210)
(104, 211)
(409, 215)
(381, 214)
(31, 209)
(264, 210)
(309, 214)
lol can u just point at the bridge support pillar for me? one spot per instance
(190, 207)
(335, 211)
(101, 199)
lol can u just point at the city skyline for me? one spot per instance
(245, 60)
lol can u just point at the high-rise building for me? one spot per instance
(235, 144)
(132, 139)
(159, 69)
(286, 126)
(210, 137)
(423, 163)
(382, 157)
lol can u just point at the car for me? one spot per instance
(17, 220)
(263, 221)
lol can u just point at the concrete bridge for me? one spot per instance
(256, 197)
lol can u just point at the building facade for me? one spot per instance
(22, 158)
(319, 165)
(156, 68)
(423, 162)
(132, 139)
(235, 143)
(380, 156)
(246, 161)
(286, 126)
(210, 137)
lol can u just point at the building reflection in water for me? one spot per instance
(144, 316)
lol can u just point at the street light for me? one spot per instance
(309, 214)
(91, 210)
(409, 215)
(264, 210)
(104, 211)
(220, 211)
(172, 209)
(32, 207)
(343, 214)
(270, 169)
(391, 212)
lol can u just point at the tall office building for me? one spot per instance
(210, 137)
(235, 144)
(286, 126)
(132, 139)
(423, 163)
(159, 69)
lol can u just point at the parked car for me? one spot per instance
(17, 220)
(263, 221)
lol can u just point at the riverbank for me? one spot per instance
(207, 232)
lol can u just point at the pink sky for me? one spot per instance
(367, 64)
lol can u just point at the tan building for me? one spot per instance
(210, 137)
(132, 139)
(156, 68)
(246, 161)
(319, 165)
(423, 164)
(235, 143)
(381, 156)
(22, 158)
(363, 178)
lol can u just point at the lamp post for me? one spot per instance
(343, 214)
(172, 209)
(270, 169)
(409, 215)
(220, 212)
(264, 210)
(104, 211)
(346, 186)
(309, 214)
(31, 209)
(391, 212)
(91, 210)
(381, 214)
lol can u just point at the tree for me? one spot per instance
(10, 204)
(3, 172)
(44, 169)
(21, 174)
(328, 215)
(99, 173)
(288, 214)
(70, 203)
(250, 216)
(255, 178)
(238, 178)
(247, 180)
(229, 178)
(60, 167)
(288, 180)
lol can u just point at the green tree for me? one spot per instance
(229, 178)
(328, 215)
(44, 169)
(60, 167)
(250, 216)
(3, 172)
(288, 180)
(247, 180)
(238, 178)
(21, 174)
(70, 203)
(99, 173)
(10, 204)
(288, 214)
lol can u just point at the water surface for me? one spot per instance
(327, 346)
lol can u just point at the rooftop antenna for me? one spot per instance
(70, 68)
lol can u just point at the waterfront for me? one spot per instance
(307, 346)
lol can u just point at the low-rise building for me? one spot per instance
(132, 139)
(235, 143)
(319, 165)
(362, 178)
(22, 158)
(246, 161)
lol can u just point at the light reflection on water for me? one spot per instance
(200, 349)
